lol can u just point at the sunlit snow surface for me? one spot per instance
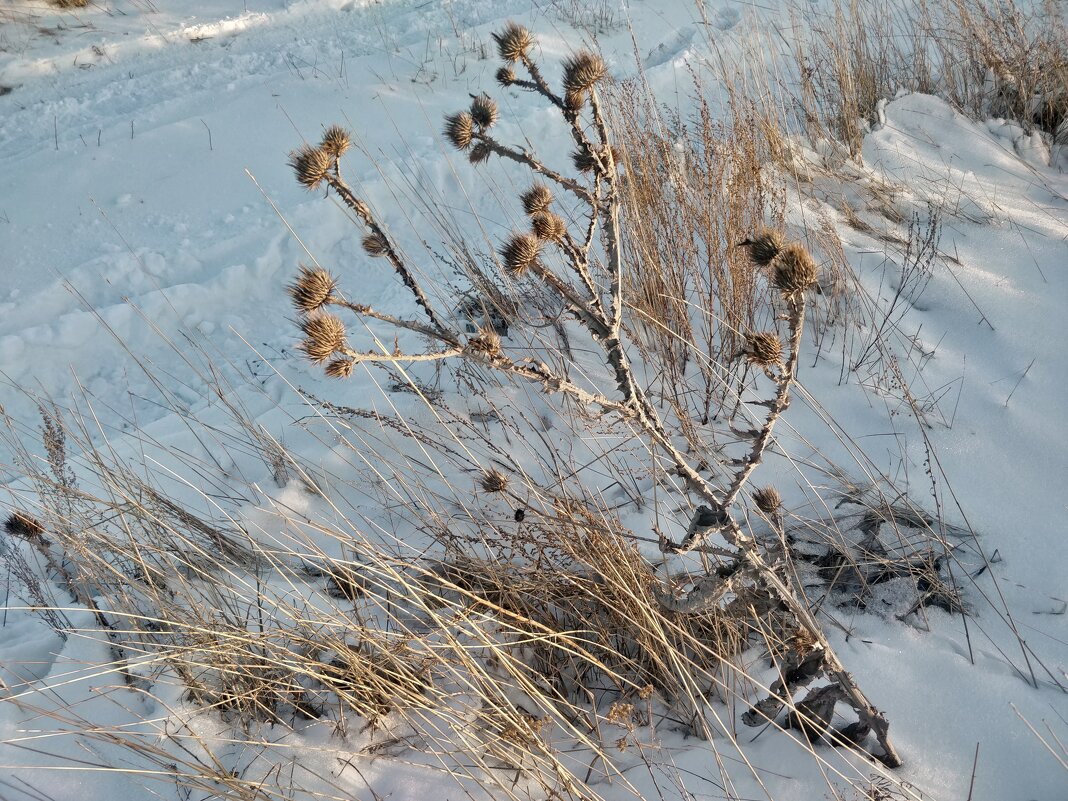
(142, 158)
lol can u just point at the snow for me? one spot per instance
(149, 222)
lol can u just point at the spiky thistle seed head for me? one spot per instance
(767, 500)
(459, 129)
(335, 141)
(583, 71)
(505, 76)
(486, 341)
(484, 111)
(583, 160)
(493, 480)
(764, 246)
(548, 226)
(520, 253)
(311, 165)
(764, 348)
(324, 336)
(375, 245)
(537, 198)
(340, 368)
(479, 153)
(513, 42)
(574, 100)
(794, 270)
(21, 525)
(312, 289)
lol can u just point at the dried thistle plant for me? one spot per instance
(793, 270)
(514, 42)
(484, 111)
(324, 336)
(312, 290)
(764, 246)
(536, 199)
(764, 349)
(520, 254)
(584, 272)
(494, 480)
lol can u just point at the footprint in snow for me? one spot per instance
(671, 48)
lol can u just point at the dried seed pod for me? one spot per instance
(375, 245)
(548, 226)
(340, 368)
(520, 253)
(513, 42)
(505, 76)
(794, 270)
(311, 165)
(335, 141)
(486, 341)
(537, 198)
(21, 525)
(767, 500)
(459, 129)
(764, 348)
(324, 336)
(583, 71)
(583, 160)
(312, 289)
(479, 153)
(574, 100)
(764, 246)
(494, 480)
(484, 111)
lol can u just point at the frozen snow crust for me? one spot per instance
(143, 173)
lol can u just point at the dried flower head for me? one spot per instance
(335, 141)
(583, 71)
(764, 246)
(794, 270)
(324, 336)
(312, 289)
(484, 111)
(574, 100)
(505, 76)
(548, 226)
(375, 245)
(21, 525)
(764, 348)
(767, 500)
(583, 160)
(340, 368)
(493, 480)
(513, 42)
(537, 198)
(459, 128)
(479, 153)
(311, 165)
(520, 253)
(486, 341)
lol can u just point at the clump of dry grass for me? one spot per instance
(987, 59)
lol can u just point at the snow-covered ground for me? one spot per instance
(148, 220)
